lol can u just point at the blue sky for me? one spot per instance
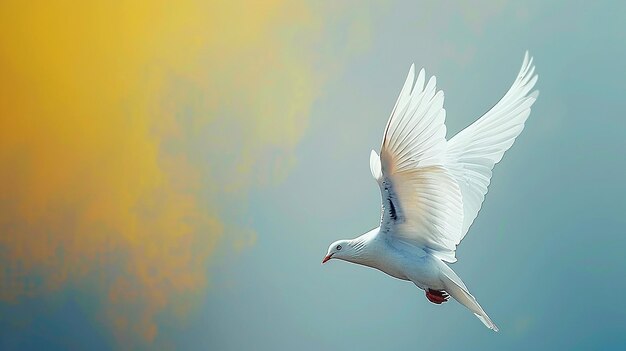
(544, 256)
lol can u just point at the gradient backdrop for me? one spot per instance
(171, 174)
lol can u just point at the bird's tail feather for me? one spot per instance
(457, 289)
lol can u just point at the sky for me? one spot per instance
(172, 173)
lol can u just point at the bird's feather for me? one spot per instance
(457, 289)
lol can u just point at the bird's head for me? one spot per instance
(341, 249)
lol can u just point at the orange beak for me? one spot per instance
(327, 258)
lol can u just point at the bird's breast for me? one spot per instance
(406, 263)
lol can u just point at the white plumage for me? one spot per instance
(432, 189)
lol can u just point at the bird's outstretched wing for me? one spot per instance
(421, 201)
(474, 151)
(431, 189)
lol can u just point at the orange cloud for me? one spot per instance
(86, 189)
(98, 104)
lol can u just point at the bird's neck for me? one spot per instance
(362, 248)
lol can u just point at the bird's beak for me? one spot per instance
(327, 258)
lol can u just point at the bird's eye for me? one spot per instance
(338, 247)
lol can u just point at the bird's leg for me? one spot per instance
(437, 296)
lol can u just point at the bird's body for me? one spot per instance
(399, 260)
(433, 188)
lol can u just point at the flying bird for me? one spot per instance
(433, 188)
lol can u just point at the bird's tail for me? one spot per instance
(457, 289)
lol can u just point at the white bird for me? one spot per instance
(433, 188)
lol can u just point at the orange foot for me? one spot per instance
(437, 296)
